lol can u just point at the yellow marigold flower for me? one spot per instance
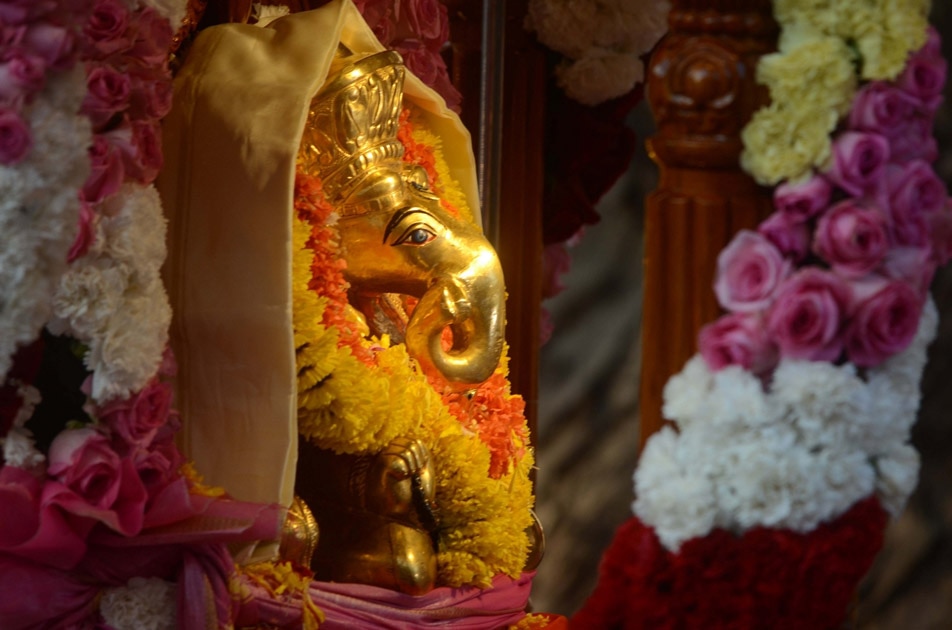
(196, 483)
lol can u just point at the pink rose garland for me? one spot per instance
(418, 30)
(865, 237)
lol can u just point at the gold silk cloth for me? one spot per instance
(231, 141)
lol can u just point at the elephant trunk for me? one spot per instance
(472, 305)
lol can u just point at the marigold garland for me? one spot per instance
(355, 395)
(424, 149)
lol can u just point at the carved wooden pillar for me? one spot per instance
(702, 92)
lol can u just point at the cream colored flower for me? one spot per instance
(785, 142)
(813, 73)
(594, 80)
(602, 39)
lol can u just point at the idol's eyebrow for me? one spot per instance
(399, 216)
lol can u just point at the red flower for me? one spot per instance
(765, 578)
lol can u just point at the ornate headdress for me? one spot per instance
(350, 140)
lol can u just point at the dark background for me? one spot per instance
(588, 416)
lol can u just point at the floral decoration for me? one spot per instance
(419, 31)
(602, 41)
(104, 523)
(790, 445)
(42, 146)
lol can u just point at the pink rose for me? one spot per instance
(107, 171)
(153, 37)
(31, 528)
(914, 189)
(151, 97)
(803, 200)
(21, 11)
(858, 161)
(792, 238)
(852, 238)
(11, 36)
(157, 467)
(96, 482)
(426, 18)
(806, 320)
(913, 265)
(137, 419)
(738, 339)
(15, 138)
(940, 231)
(379, 17)
(19, 506)
(54, 44)
(885, 320)
(556, 262)
(140, 145)
(913, 139)
(22, 75)
(749, 270)
(108, 93)
(881, 108)
(445, 88)
(924, 79)
(86, 234)
(107, 30)
(419, 59)
(933, 45)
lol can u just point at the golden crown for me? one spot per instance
(350, 140)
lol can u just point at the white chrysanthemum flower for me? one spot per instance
(172, 10)
(595, 79)
(897, 476)
(130, 349)
(88, 295)
(820, 440)
(739, 402)
(823, 401)
(143, 604)
(133, 228)
(672, 495)
(39, 210)
(686, 393)
(19, 450)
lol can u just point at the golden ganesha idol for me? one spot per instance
(329, 279)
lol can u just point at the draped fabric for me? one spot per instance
(241, 102)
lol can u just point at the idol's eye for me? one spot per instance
(416, 234)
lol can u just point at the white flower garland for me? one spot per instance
(39, 210)
(143, 604)
(172, 10)
(19, 449)
(793, 456)
(602, 40)
(113, 300)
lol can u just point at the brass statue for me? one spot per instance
(395, 235)
(252, 106)
(376, 513)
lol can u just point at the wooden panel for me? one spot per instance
(701, 91)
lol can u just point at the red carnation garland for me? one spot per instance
(766, 578)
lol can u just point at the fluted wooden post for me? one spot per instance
(701, 90)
